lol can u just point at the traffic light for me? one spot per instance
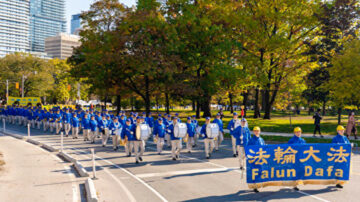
(17, 85)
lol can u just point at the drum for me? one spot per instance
(237, 123)
(143, 132)
(180, 130)
(198, 130)
(212, 130)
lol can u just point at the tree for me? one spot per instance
(273, 33)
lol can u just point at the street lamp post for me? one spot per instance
(22, 85)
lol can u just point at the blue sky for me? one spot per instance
(76, 6)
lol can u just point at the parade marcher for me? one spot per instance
(197, 129)
(242, 136)
(93, 129)
(175, 142)
(351, 125)
(39, 118)
(98, 118)
(191, 132)
(75, 126)
(52, 121)
(220, 138)
(296, 139)
(317, 118)
(116, 129)
(58, 122)
(208, 142)
(104, 130)
(128, 135)
(340, 139)
(139, 147)
(233, 124)
(85, 124)
(256, 140)
(159, 135)
(67, 122)
(167, 123)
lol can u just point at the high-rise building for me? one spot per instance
(61, 46)
(14, 26)
(75, 24)
(47, 18)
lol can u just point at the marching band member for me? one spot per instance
(128, 134)
(46, 118)
(58, 121)
(122, 120)
(191, 133)
(177, 116)
(209, 142)
(256, 140)
(139, 147)
(67, 122)
(52, 121)
(75, 126)
(175, 142)
(39, 118)
(167, 123)
(220, 138)
(242, 136)
(116, 129)
(196, 125)
(159, 135)
(340, 139)
(98, 118)
(232, 127)
(104, 130)
(296, 139)
(86, 127)
(93, 129)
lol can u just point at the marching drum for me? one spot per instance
(143, 132)
(212, 130)
(180, 130)
(237, 123)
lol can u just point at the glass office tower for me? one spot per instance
(75, 23)
(14, 26)
(47, 18)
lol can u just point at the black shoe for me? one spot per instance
(140, 158)
(174, 159)
(189, 152)
(339, 186)
(194, 145)
(137, 162)
(296, 189)
(93, 142)
(115, 149)
(103, 146)
(241, 168)
(234, 155)
(159, 153)
(128, 155)
(207, 157)
(177, 156)
(256, 190)
(65, 135)
(216, 150)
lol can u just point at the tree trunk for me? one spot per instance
(231, 102)
(105, 101)
(157, 104)
(324, 108)
(118, 104)
(269, 100)
(167, 103)
(147, 96)
(245, 100)
(206, 106)
(339, 115)
(193, 105)
(256, 110)
(132, 102)
(197, 109)
(262, 99)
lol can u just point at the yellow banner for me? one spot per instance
(24, 101)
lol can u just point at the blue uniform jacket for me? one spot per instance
(256, 141)
(129, 132)
(340, 139)
(231, 126)
(93, 125)
(242, 135)
(191, 129)
(159, 130)
(296, 140)
(115, 126)
(75, 122)
(85, 123)
(170, 130)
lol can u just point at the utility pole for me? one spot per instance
(22, 86)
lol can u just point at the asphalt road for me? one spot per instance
(193, 178)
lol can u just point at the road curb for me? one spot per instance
(49, 148)
(33, 141)
(90, 191)
(80, 169)
(67, 157)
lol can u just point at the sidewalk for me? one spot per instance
(32, 174)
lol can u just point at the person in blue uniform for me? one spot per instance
(85, 124)
(128, 135)
(104, 128)
(232, 126)
(191, 134)
(242, 136)
(175, 142)
(208, 141)
(340, 138)
(75, 123)
(220, 138)
(197, 129)
(58, 122)
(93, 129)
(167, 123)
(159, 135)
(67, 122)
(296, 139)
(138, 144)
(116, 129)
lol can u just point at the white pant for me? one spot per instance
(93, 135)
(75, 132)
(115, 140)
(105, 136)
(167, 138)
(86, 134)
(38, 123)
(67, 128)
(219, 140)
(137, 146)
(129, 147)
(159, 144)
(233, 142)
(209, 146)
(58, 127)
(190, 143)
(241, 152)
(175, 148)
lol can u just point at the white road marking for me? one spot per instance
(315, 197)
(128, 193)
(184, 172)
